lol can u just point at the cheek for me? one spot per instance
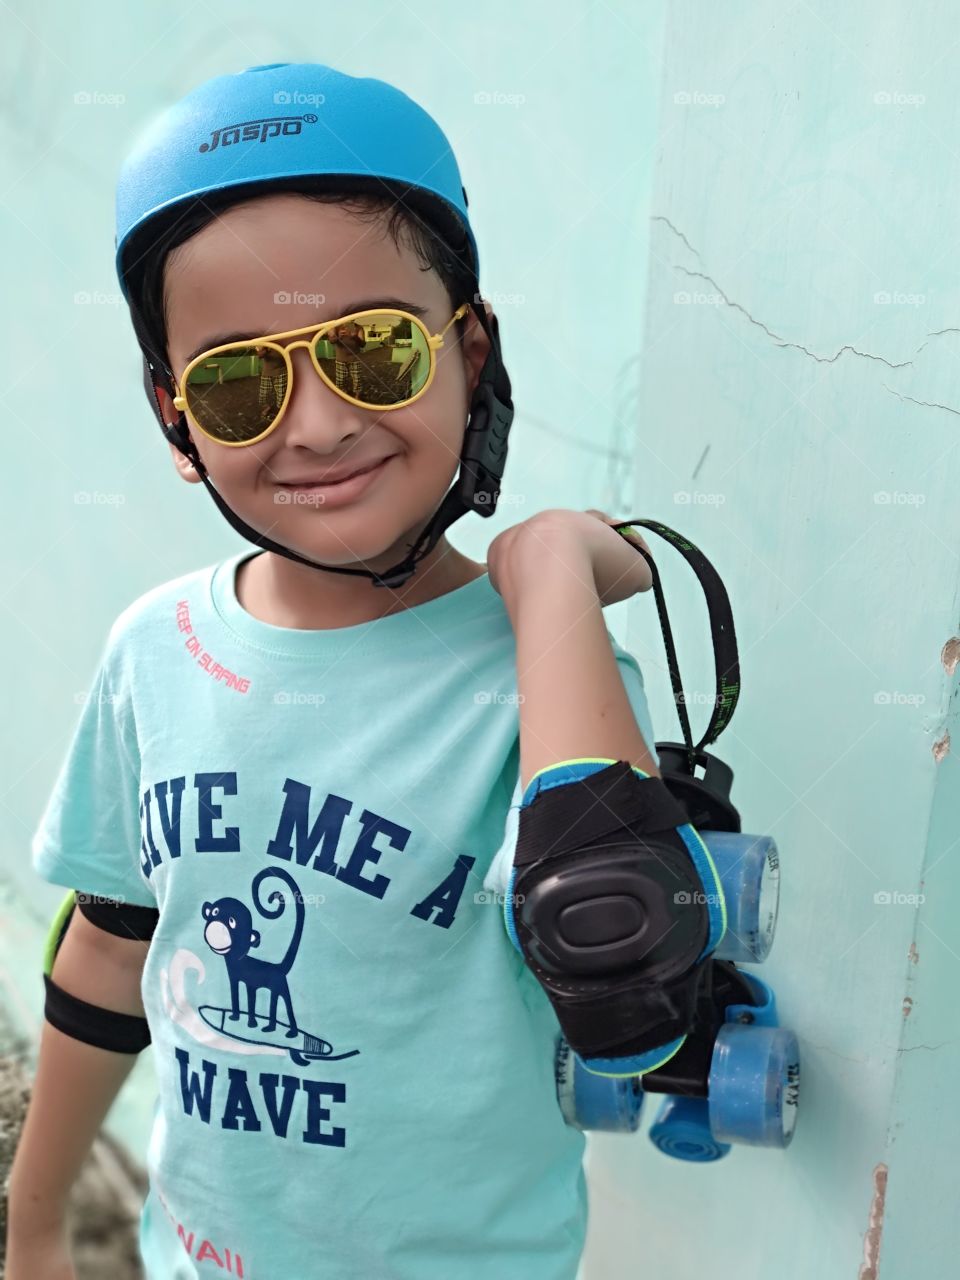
(230, 469)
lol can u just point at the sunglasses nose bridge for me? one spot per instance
(309, 343)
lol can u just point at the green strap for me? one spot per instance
(57, 927)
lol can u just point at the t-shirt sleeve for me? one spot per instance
(88, 837)
(498, 874)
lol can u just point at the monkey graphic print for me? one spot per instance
(355, 1069)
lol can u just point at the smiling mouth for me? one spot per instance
(333, 484)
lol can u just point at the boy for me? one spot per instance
(302, 779)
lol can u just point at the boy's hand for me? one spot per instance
(529, 548)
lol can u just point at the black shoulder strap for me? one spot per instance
(726, 657)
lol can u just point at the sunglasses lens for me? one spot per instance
(236, 394)
(379, 358)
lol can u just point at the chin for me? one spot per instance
(346, 549)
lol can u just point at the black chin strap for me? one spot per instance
(475, 488)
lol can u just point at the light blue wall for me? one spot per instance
(625, 156)
(803, 262)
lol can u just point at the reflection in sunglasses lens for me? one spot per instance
(380, 358)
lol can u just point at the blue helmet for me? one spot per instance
(281, 122)
(278, 124)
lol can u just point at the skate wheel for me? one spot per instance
(682, 1130)
(754, 1085)
(749, 871)
(589, 1101)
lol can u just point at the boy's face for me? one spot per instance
(227, 279)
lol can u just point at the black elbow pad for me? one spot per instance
(615, 905)
(103, 1028)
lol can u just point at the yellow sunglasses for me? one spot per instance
(238, 393)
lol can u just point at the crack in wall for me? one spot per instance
(927, 404)
(785, 342)
(659, 217)
(798, 346)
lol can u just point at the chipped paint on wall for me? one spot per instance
(950, 655)
(871, 1240)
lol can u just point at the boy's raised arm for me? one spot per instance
(573, 703)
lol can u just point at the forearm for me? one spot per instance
(74, 1088)
(573, 703)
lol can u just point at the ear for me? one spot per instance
(475, 346)
(254, 939)
(183, 465)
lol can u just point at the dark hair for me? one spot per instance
(432, 230)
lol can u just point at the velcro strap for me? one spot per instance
(123, 919)
(103, 1028)
(605, 804)
(632, 1018)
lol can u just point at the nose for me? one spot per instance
(316, 417)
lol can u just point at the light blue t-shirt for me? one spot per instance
(323, 819)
